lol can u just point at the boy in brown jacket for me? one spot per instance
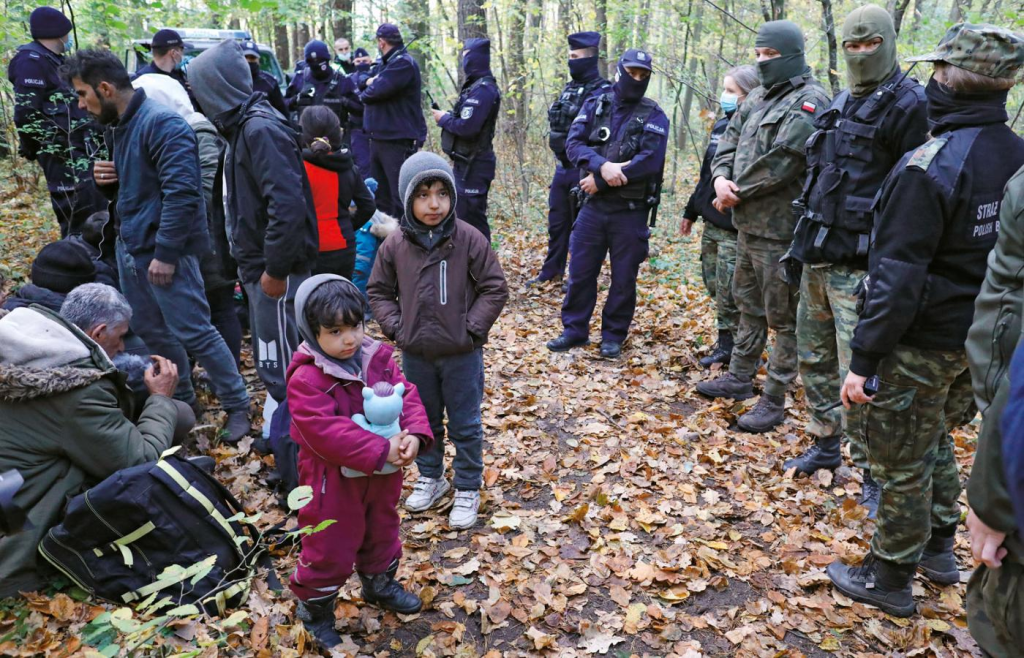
(436, 289)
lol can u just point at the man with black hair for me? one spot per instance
(467, 134)
(51, 128)
(585, 81)
(155, 180)
(393, 117)
(619, 141)
(168, 51)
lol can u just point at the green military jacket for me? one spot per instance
(762, 151)
(993, 337)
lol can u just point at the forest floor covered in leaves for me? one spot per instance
(621, 515)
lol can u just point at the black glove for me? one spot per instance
(791, 269)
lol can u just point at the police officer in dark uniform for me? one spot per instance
(51, 128)
(467, 134)
(619, 139)
(261, 80)
(318, 84)
(586, 81)
(355, 135)
(168, 51)
(393, 117)
(865, 131)
(936, 220)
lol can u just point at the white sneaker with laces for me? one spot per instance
(463, 514)
(426, 492)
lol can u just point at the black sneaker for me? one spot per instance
(384, 591)
(237, 426)
(882, 584)
(563, 343)
(870, 494)
(610, 349)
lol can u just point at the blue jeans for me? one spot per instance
(174, 321)
(452, 384)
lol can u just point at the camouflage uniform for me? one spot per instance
(762, 152)
(718, 263)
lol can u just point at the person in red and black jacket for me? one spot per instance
(336, 185)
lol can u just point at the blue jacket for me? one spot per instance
(160, 189)
(393, 106)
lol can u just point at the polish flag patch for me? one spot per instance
(809, 107)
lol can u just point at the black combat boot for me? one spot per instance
(383, 590)
(870, 494)
(885, 585)
(727, 386)
(938, 563)
(722, 352)
(823, 454)
(317, 616)
(766, 414)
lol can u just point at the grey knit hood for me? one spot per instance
(415, 170)
(351, 365)
(220, 78)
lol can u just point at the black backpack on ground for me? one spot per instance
(164, 529)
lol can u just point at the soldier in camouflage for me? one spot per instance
(936, 220)
(865, 131)
(757, 172)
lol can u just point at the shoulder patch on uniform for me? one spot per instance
(808, 107)
(33, 82)
(473, 101)
(466, 113)
(923, 156)
(654, 128)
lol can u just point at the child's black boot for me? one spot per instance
(383, 590)
(317, 616)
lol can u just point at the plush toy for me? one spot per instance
(382, 406)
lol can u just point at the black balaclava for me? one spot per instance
(785, 37)
(583, 69)
(476, 62)
(254, 68)
(628, 89)
(949, 109)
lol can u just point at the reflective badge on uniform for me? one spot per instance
(473, 101)
(654, 128)
(466, 113)
(808, 107)
(33, 82)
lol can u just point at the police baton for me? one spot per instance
(870, 389)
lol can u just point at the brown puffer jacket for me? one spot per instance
(438, 302)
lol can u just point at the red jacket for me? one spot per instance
(322, 399)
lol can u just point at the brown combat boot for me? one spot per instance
(766, 414)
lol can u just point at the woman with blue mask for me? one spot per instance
(718, 239)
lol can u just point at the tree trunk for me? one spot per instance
(281, 44)
(565, 17)
(601, 18)
(691, 71)
(342, 19)
(833, 55)
(472, 20)
(898, 8)
(301, 39)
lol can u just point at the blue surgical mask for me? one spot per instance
(69, 44)
(183, 63)
(728, 102)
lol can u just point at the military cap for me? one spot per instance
(584, 40)
(983, 49)
(634, 58)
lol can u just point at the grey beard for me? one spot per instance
(134, 366)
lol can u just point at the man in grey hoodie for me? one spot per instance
(271, 220)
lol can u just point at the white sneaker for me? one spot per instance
(464, 511)
(426, 492)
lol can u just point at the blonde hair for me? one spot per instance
(959, 79)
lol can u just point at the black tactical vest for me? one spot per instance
(626, 146)
(846, 165)
(564, 110)
(465, 149)
(328, 95)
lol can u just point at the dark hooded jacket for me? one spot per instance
(435, 291)
(703, 194)
(66, 412)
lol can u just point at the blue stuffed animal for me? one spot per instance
(382, 407)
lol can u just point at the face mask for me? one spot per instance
(180, 66)
(343, 57)
(627, 88)
(866, 71)
(773, 71)
(728, 102)
(320, 70)
(254, 68)
(581, 69)
(69, 44)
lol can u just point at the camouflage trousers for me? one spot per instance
(717, 264)
(910, 450)
(765, 302)
(825, 320)
(995, 608)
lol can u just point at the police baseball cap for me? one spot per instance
(388, 31)
(168, 39)
(984, 49)
(360, 52)
(639, 59)
(249, 48)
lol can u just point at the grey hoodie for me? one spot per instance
(220, 78)
(351, 365)
(416, 169)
